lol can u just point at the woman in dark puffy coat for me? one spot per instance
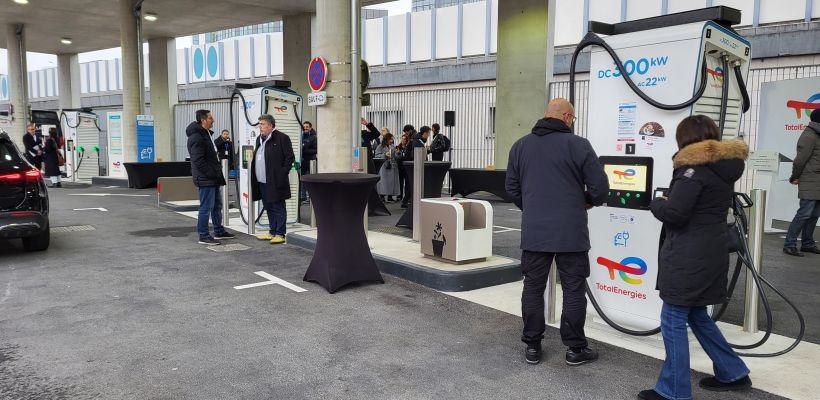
(50, 158)
(694, 257)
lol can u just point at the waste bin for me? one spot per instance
(456, 229)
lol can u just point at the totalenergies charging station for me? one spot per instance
(680, 63)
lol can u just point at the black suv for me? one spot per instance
(23, 199)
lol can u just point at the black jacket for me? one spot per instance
(369, 135)
(50, 162)
(205, 166)
(32, 144)
(806, 165)
(694, 257)
(224, 149)
(310, 146)
(439, 146)
(279, 160)
(552, 175)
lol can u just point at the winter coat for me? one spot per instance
(32, 144)
(206, 168)
(439, 146)
(388, 184)
(552, 175)
(806, 165)
(310, 146)
(368, 136)
(225, 151)
(279, 160)
(694, 256)
(52, 166)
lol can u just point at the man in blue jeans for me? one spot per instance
(271, 165)
(207, 174)
(806, 174)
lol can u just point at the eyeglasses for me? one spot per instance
(573, 117)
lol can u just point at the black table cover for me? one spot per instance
(342, 255)
(144, 175)
(466, 181)
(434, 173)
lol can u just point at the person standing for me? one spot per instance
(272, 161)
(51, 159)
(693, 262)
(388, 185)
(369, 135)
(34, 147)
(400, 152)
(554, 177)
(440, 144)
(310, 147)
(206, 171)
(806, 174)
(224, 147)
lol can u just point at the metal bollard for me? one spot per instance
(756, 223)
(552, 294)
(314, 168)
(419, 155)
(251, 206)
(226, 220)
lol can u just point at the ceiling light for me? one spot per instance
(65, 40)
(21, 1)
(151, 17)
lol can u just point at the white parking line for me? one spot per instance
(271, 280)
(505, 229)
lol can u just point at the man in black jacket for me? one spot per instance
(368, 135)
(224, 147)
(309, 150)
(440, 144)
(34, 147)
(207, 174)
(554, 176)
(272, 161)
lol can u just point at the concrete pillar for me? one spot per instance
(17, 81)
(522, 73)
(68, 80)
(297, 54)
(162, 69)
(333, 119)
(131, 49)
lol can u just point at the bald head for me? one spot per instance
(560, 108)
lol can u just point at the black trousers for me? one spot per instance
(573, 269)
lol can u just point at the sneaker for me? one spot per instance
(717, 386)
(209, 241)
(278, 239)
(581, 356)
(224, 235)
(533, 353)
(814, 250)
(650, 395)
(792, 251)
(265, 236)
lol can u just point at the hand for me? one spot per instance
(364, 121)
(795, 182)
(588, 206)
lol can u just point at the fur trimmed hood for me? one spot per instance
(710, 151)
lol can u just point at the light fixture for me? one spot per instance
(151, 17)
(21, 1)
(65, 40)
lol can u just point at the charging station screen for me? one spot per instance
(630, 178)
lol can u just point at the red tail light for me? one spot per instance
(17, 177)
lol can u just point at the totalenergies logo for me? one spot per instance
(281, 109)
(624, 269)
(806, 106)
(716, 74)
(627, 175)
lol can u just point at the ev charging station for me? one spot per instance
(82, 144)
(285, 106)
(681, 63)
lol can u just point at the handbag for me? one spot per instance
(60, 159)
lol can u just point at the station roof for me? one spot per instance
(95, 24)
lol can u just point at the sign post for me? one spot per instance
(115, 155)
(317, 79)
(145, 138)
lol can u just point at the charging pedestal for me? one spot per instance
(636, 141)
(285, 106)
(82, 159)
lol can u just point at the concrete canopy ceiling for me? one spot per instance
(95, 24)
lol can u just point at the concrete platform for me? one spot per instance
(401, 257)
(186, 205)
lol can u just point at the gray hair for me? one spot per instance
(269, 118)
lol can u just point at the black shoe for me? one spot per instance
(59, 184)
(717, 386)
(792, 251)
(224, 235)
(403, 205)
(814, 250)
(533, 353)
(389, 199)
(209, 241)
(581, 356)
(650, 395)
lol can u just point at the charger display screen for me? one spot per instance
(630, 178)
(630, 181)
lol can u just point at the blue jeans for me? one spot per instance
(210, 204)
(804, 222)
(674, 380)
(277, 213)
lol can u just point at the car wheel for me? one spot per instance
(39, 242)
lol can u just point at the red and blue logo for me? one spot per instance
(716, 74)
(628, 174)
(281, 109)
(813, 103)
(626, 267)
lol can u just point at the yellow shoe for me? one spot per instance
(265, 237)
(277, 240)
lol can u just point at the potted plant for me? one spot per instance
(439, 240)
